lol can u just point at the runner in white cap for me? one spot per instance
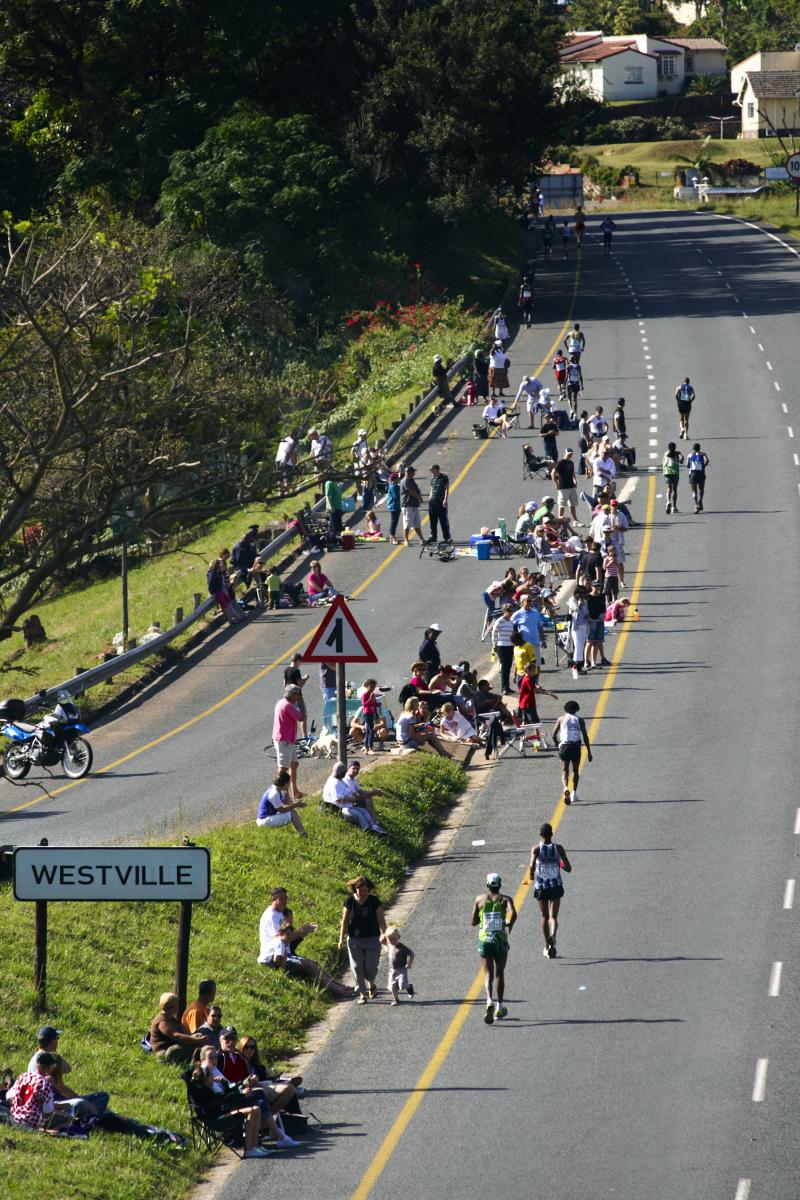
(491, 915)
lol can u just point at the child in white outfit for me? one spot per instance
(400, 959)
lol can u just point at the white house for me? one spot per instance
(767, 90)
(611, 71)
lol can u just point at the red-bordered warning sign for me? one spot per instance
(338, 638)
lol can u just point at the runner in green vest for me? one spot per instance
(491, 915)
(670, 469)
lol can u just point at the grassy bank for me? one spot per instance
(390, 368)
(108, 964)
(778, 210)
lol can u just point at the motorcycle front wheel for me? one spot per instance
(77, 758)
(16, 763)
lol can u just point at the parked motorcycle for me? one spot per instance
(52, 740)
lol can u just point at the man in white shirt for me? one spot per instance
(339, 794)
(532, 389)
(598, 425)
(359, 451)
(603, 471)
(321, 450)
(495, 414)
(286, 460)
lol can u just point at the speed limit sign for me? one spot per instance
(793, 166)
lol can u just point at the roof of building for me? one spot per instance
(599, 52)
(774, 85)
(696, 43)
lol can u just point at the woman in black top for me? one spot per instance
(363, 922)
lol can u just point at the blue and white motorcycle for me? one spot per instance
(54, 739)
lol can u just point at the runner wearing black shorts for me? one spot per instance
(570, 735)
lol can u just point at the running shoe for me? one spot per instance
(545, 951)
(502, 1011)
(575, 796)
(257, 1152)
(488, 1016)
(551, 948)
(668, 509)
(410, 989)
(567, 799)
(606, 662)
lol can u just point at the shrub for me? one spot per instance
(739, 166)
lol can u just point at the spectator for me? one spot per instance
(223, 1107)
(286, 719)
(429, 651)
(172, 1042)
(210, 1029)
(318, 585)
(258, 575)
(480, 373)
(297, 965)
(244, 555)
(498, 369)
(321, 452)
(487, 701)
(438, 502)
(411, 733)
(217, 589)
(286, 461)
(359, 451)
(273, 582)
(401, 958)
(360, 796)
(363, 922)
(370, 708)
(456, 728)
(333, 504)
(196, 1013)
(248, 1048)
(32, 1099)
(293, 675)
(275, 808)
(393, 505)
(410, 501)
(327, 681)
(340, 795)
(440, 380)
(502, 630)
(530, 622)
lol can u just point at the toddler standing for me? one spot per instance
(400, 959)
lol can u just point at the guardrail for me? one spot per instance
(121, 662)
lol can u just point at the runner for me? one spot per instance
(489, 913)
(580, 225)
(574, 385)
(684, 395)
(697, 462)
(608, 226)
(575, 342)
(526, 302)
(671, 469)
(560, 365)
(548, 860)
(569, 732)
(548, 234)
(566, 238)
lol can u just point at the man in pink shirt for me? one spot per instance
(284, 734)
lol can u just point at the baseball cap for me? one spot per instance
(435, 626)
(47, 1033)
(361, 433)
(493, 879)
(227, 1031)
(437, 358)
(614, 503)
(547, 500)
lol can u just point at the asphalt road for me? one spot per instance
(628, 1065)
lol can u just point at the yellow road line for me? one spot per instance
(207, 712)
(437, 1060)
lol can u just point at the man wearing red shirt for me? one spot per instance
(526, 712)
(232, 1064)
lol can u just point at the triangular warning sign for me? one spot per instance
(339, 639)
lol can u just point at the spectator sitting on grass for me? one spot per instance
(217, 589)
(359, 795)
(455, 728)
(339, 794)
(211, 1027)
(172, 1042)
(278, 936)
(32, 1099)
(276, 809)
(196, 1013)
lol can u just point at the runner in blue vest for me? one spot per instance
(548, 860)
(696, 463)
(491, 915)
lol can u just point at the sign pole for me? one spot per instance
(341, 712)
(40, 956)
(182, 958)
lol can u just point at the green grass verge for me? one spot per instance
(109, 963)
(474, 262)
(651, 157)
(777, 209)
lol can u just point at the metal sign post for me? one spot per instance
(339, 640)
(65, 873)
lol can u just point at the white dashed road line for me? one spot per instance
(775, 979)
(797, 464)
(769, 365)
(761, 348)
(777, 385)
(797, 814)
(788, 894)
(752, 330)
(785, 409)
(790, 431)
(760, 1081)
(742, 1190)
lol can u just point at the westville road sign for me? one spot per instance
(129, 873)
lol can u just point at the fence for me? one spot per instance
(122, 662)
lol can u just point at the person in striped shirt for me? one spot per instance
(502, 631)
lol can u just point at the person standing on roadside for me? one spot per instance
(696, 463)
(480, 373)
(294, 677)
(327, 681)
(548, 860)
(569, 735)
(286, 461)
(495, 915)
(563, 476)
(410, 501)
(595, 630)
(393, 505)
(321, 452)
(530, 622)
(549, 435)
(286, 719)
(502, 632)
(429, 651)
(684, 397)
(438, 502)
(363, 922)
(333, 505)
(440, 380)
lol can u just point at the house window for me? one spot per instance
(689, 64)
(667, 66)
(751, 110)
(633, 74)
